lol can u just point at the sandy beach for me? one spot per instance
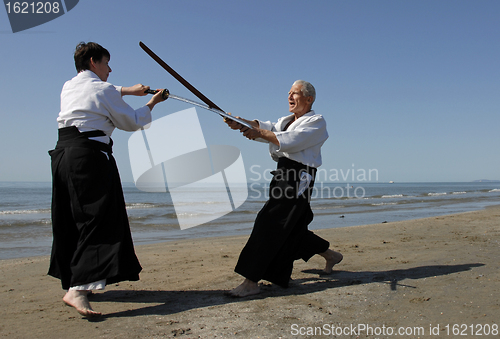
(433, 277)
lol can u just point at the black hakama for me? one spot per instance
(280, 235)
(92, 239)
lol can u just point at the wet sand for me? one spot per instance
(410, 276)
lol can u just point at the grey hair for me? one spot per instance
(307, 88)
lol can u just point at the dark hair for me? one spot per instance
(85, 51)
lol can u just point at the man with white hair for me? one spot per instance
(280, 234)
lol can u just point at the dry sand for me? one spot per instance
(411, 276)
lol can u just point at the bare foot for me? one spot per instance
(247, 287)
(78, 300)
(332, 258)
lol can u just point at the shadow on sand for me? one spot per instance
(169, 302)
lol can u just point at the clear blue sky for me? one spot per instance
(409, 88)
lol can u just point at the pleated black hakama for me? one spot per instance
(280, 234)
(92, 239)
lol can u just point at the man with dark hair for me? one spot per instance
(280, 235)
(92, 244)
(85, 52)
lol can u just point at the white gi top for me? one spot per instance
(301, 141)
(89, 103)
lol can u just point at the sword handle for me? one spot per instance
(164, 92)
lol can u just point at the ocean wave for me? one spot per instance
(392, 196)
(458, 192)
(142, 205)
(436, 194)
(199, 204)
(14, 212)
(318, 208)
(17, 224)
(495, 190)
(385, 203)
(198, 214)
(152, 215)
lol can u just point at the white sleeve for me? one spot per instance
(309, 133)
(122, 115)
(267, 125)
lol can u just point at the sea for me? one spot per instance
(25, 221)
